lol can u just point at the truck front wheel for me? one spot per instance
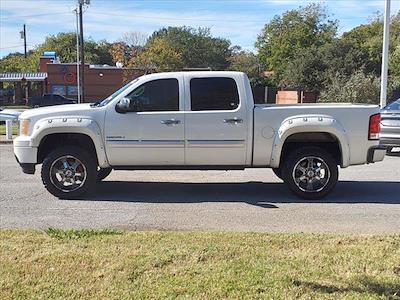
(69, 172)
(102, 173)
(310, 172)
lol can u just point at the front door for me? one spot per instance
(216, 125)
(152, 134)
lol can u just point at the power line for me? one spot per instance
(36, 15)
(9, 47)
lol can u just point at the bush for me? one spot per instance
(358, 88)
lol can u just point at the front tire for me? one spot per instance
(102, 173)
(69, 172)
(310, 172)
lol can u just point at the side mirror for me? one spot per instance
(127, 105)
(123, 105)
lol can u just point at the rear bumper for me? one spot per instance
(390, 136)
(376, 153)
(390, 141)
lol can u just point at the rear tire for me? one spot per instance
(310, 172)
(69, 172)
(278, 172)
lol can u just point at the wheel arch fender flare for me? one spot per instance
(77, 125)
(310, 123)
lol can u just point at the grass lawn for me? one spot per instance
(3, 129)
(139, 265)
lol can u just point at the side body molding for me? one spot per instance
(79, 125)
(310, 123)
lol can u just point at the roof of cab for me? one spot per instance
(196, 73)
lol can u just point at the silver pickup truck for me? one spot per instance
(196, 120)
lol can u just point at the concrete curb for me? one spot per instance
(4, 142)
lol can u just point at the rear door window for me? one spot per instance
(216, 93)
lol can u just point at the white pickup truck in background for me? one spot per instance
(196, 121)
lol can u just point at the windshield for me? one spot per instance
(394, 105)
(115, 94)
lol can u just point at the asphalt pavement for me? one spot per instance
(366, 200)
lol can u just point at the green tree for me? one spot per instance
(64, 43)
(16, 62)
(284, 36)
(196, 46)
(367, 39)
(306, 71)
(127, 49)
(248, 63)
(161, 56)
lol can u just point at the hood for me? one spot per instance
(57, 110)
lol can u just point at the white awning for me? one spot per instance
(14, 77)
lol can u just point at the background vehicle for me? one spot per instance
(48, 100)
(196, 120)
(390, 125)
(8, 114)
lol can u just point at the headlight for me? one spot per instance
(24, 126)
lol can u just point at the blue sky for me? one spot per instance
(238, 20)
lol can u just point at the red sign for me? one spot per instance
(69, 77)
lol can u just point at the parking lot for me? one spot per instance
(366, 200)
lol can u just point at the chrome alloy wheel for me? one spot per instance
(67, 173)
(311, 174)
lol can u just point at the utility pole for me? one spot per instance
(25, 40)
(23, 36)
(385, 54)
(82, 52)
(78, 79)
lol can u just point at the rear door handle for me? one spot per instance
(233, 121)
(170, 122)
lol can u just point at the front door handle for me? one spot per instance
(234, 121)
(170, 122)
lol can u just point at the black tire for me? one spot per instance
(102, 173)
(319, 187)
(389, 150)
(278, 172)
(87, 166)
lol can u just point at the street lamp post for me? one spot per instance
(385, 54)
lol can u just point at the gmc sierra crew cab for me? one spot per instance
(197, 121)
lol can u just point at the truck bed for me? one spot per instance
(352, 118)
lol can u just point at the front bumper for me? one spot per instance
(376, 153)
(25, 154)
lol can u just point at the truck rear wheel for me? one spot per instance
(310, 172)
(278, 172)
(69, 172)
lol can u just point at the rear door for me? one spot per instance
(215, 116)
